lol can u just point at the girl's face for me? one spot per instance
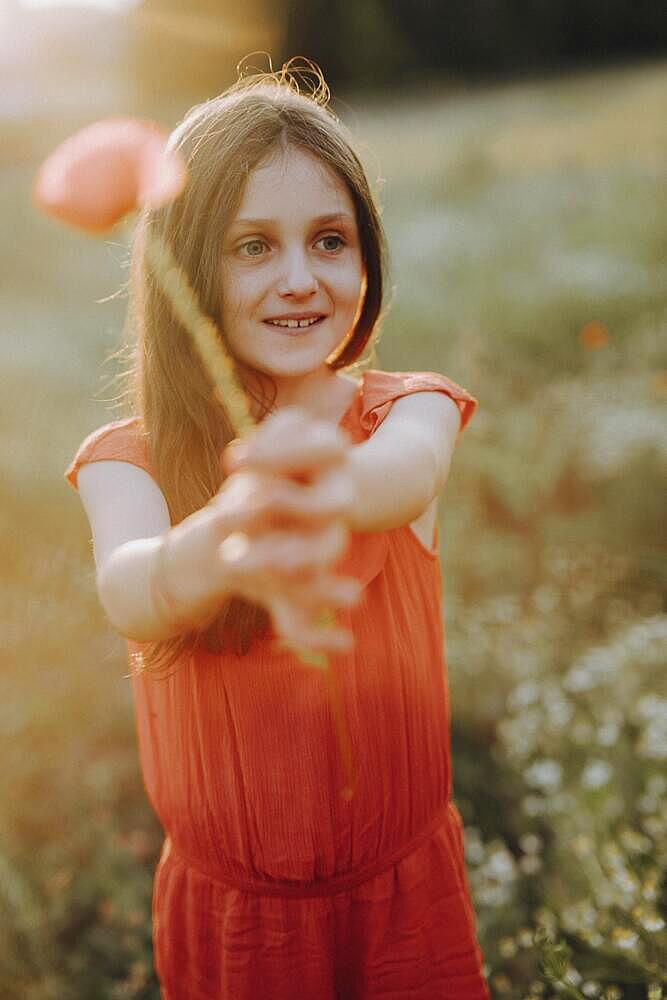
(292, 271)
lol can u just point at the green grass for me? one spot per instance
(515, 216)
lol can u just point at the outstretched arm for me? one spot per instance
(405, 464)
(262, 537)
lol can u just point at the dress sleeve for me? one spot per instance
(121, 440)
(382, 388)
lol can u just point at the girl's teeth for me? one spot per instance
(293, 322)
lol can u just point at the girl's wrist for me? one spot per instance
(167, 608)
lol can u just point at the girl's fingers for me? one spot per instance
(284, 551)
(288, 444)
(249, 500)
(332, 495)
(324, 589)
(298, 628)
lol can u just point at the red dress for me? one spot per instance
(271, 884)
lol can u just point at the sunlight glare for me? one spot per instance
(95, 4)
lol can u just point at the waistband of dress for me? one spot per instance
(325, 887)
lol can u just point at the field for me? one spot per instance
(528, 235)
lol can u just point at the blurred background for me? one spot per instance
(519, 153)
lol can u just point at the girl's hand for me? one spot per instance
(290, 493)
(273, 530)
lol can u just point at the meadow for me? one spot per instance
(528, 233)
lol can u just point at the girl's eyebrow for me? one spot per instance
(321, 220)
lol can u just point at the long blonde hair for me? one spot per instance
(222, 141)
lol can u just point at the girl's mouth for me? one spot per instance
(295, 326)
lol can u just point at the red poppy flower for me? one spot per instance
(593, 335)
(93, 178)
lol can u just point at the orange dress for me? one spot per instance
(271, 883)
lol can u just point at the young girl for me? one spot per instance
(216, 562)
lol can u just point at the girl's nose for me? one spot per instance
(298, 278)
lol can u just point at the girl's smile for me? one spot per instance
(294, 324)
(292, 273)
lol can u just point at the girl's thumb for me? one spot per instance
(234, 455)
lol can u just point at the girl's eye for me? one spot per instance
(331, 242)
(253, 248)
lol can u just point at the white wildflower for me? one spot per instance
(650, 707)
(607, 734)
(654, 826)
(652, 922)
(531, 843)
(559, 712)
(596, 774)
(500, 864)
(652, 744)
(624, 938)
(474, 847)
(524, 694)
(595, 668)
(504, 609)
(635, 842)
(530, 864)
(545, 775)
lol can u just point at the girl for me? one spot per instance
(215, 558)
